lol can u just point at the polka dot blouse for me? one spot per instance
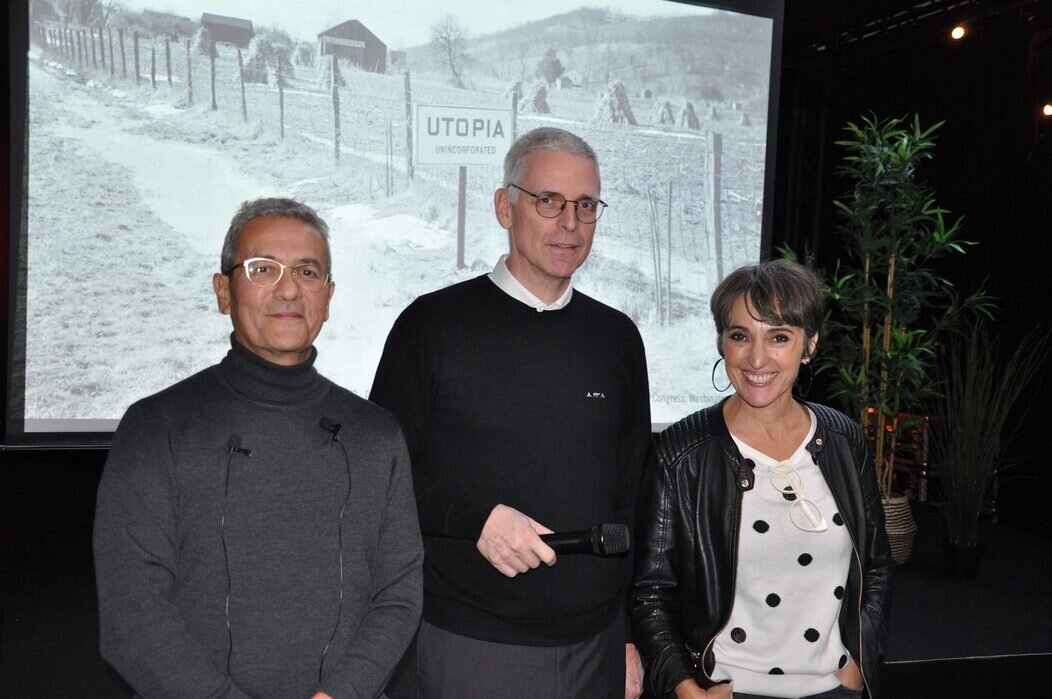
(783, 637)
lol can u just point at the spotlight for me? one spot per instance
(1046, 110)
(958, 32)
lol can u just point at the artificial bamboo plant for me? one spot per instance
(888, 303)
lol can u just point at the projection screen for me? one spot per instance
(148, 122)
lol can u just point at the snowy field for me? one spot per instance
(131, 189)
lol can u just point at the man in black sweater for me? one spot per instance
(255, 534)
(525, 405)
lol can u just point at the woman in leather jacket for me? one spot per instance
(762, 566)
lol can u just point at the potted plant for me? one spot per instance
(888, 303)
(979, 387)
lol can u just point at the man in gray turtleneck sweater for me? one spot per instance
(256, 532)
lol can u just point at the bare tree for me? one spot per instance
(523, 55)
(451, 46)
(84, 12)
(78, 11)
(111, 9)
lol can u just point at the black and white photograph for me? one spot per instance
(150, 122)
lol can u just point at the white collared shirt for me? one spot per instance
(506, 282)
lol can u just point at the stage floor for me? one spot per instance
(1005, 611)
(988, 637)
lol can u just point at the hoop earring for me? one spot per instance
(718, 389)
(802, 390)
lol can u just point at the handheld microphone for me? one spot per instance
(330, 426)
(600, 540)
(234, 445)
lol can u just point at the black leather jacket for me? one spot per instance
(686, 553)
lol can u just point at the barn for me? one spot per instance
(351, 40)
(231, 30)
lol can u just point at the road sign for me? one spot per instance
(455, 135)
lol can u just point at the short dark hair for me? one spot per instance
(543, 138)
(270, 207)
(779, 292)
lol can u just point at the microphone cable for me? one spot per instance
(233, 447)
(334, 428)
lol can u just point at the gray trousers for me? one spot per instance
(450, 666)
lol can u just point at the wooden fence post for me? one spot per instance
(153, 66)
(668, 267)
(462, 191)
(80, 47)
(212, 64)
(124, 59)
(241, 78)
(335, 111)
(94, 59)
(408, 127)
(514, 115)
(135, 53)
(113, 60)
(714, 185)
(102, 49)
(281, 107)
(168, 60)
(389, 159)
(655, 252)
(189, 77)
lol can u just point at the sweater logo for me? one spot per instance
(595, 394)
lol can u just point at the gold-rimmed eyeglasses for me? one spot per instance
(265, 272)
(551, 204)
(803, 513)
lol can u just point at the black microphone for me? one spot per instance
(234, 445)
(330, 426)
(600, 540)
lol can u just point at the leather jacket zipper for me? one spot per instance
(858, 607)
(861, 579)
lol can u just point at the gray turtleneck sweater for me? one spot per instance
(218, 538)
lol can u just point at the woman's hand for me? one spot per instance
(849, 675)
(633, 672)
(689, 689)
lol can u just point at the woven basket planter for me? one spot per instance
(900, 526)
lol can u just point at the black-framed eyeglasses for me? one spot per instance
(551, 204)
(265, 272)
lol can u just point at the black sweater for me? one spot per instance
(171, 479)
(547, 413)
